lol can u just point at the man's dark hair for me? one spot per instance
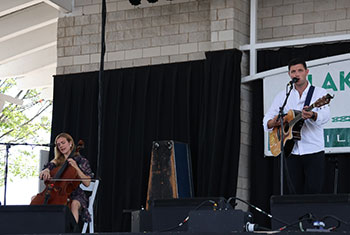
(296, 61)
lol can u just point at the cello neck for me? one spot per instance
(74, 152)
(64, 165)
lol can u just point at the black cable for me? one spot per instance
(99, 98)
(312, 219)
(100, 88)
(307, 217)
(338, 220)
(258, 209)
(188, 216)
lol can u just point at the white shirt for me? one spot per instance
(312, 138)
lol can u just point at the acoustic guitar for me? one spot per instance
(293, 123)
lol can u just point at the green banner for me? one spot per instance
(337, 137)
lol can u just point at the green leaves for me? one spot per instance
(29, 123)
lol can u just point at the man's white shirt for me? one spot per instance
(312, 137)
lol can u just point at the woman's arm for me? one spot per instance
(45, 173)
(87, 178)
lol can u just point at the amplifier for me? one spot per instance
(224, 221)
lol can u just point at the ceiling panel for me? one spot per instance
(28, 41)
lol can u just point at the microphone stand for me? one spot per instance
(8, 146)
(280, 117)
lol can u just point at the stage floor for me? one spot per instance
(205, 233)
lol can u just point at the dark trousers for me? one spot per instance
(306, 173)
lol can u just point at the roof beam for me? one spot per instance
(9, 7)
(65, 5)
(40, 78)
(24, 21)
(296, 42)
(29, 62)
(26, 43)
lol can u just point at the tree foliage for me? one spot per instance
(28, 123)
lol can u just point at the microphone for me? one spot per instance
(294, 80)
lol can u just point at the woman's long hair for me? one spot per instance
(59, 157)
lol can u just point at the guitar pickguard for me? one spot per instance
(296, 129)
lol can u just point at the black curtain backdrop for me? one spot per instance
(265, 173)
(194, 102)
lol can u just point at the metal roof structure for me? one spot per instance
(28, 41)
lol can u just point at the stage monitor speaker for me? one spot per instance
(36, 219)
(170, 171)
(291, 208)
(224, 221)
(166, 214)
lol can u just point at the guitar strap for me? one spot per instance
(307, 103)
(309, 95)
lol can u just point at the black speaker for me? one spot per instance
(36, 219)
(327, 208)
(167, 214)
(170, 171)
(224, 221)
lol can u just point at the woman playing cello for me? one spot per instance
(64, 145)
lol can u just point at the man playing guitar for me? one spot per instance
(306, 162)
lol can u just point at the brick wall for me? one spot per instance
(296, 19)
(163, 32)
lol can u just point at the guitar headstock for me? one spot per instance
(324, 100)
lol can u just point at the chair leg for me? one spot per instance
(91, 224)
(84, 227)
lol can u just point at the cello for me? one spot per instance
(64, 180)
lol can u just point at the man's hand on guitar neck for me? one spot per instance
(308, 114)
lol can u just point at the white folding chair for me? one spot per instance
(92, 188)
